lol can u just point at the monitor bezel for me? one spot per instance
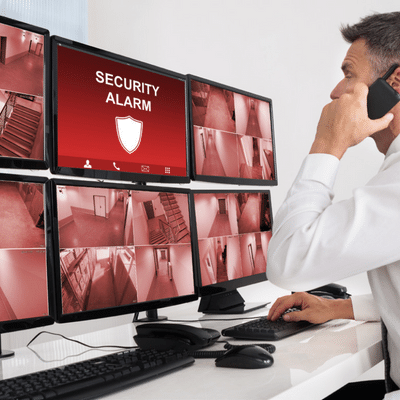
(108, 174)
(226, 179)
(230, 285)
(35, 322)
(27, 163)
(60, 317)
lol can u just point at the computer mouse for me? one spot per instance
(248, 356)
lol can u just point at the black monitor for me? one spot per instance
(232, 135)
(117, 118)
(25, 281)
(233, 230)
(120, 248)
(24, 95)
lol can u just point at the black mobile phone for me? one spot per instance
(381, 96)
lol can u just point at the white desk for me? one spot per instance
(309, 365)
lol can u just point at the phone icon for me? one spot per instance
(115, 166)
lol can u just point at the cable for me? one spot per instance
(216, 319)
(81, 343)
(207, 354)
(267, 346)
(218, 353)
(210, 319)
(196, 354)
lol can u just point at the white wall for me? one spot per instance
(66, 18)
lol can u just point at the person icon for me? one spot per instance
(87, 165)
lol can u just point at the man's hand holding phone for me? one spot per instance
(344, 122)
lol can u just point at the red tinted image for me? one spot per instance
(93, 217)
(164, 271)
(21, 93)
(114, 116)
(21, 215)
(234, 230)
(119, 246)
(232, 134)
(23, 271)
(96, 278)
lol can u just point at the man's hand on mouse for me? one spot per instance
(313, 309)
(344, 122)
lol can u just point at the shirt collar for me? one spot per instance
(394, 146)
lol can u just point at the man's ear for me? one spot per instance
(394, 80)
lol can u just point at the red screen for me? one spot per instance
(232, 135)
(234, 230)
(23, 268)
(113, 116)
(113, 251)
(21, 93)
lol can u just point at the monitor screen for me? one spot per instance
(233, 230)
(24, 276)
(232, 136)
(120, 248)
(24, 89)
(117, 118)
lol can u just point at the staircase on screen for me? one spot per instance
(175, 229)
(19, 135)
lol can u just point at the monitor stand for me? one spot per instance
(230, 302)
(5, 353)
(151, 316)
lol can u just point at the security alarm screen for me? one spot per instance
(116, 117)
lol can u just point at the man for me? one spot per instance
(316, 241)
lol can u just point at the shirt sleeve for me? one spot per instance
(364, 308)
(316, 241)
(392, 395)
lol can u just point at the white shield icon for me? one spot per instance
(129, 133)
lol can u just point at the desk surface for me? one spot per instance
(310, 365)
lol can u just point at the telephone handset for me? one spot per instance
(381, 96)
(179, 337)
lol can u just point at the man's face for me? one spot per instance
(356, 68)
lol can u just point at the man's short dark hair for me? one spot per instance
(382, 35)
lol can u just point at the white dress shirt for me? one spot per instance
(316, 241)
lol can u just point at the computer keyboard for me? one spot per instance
(264, 329)
(93, 378)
